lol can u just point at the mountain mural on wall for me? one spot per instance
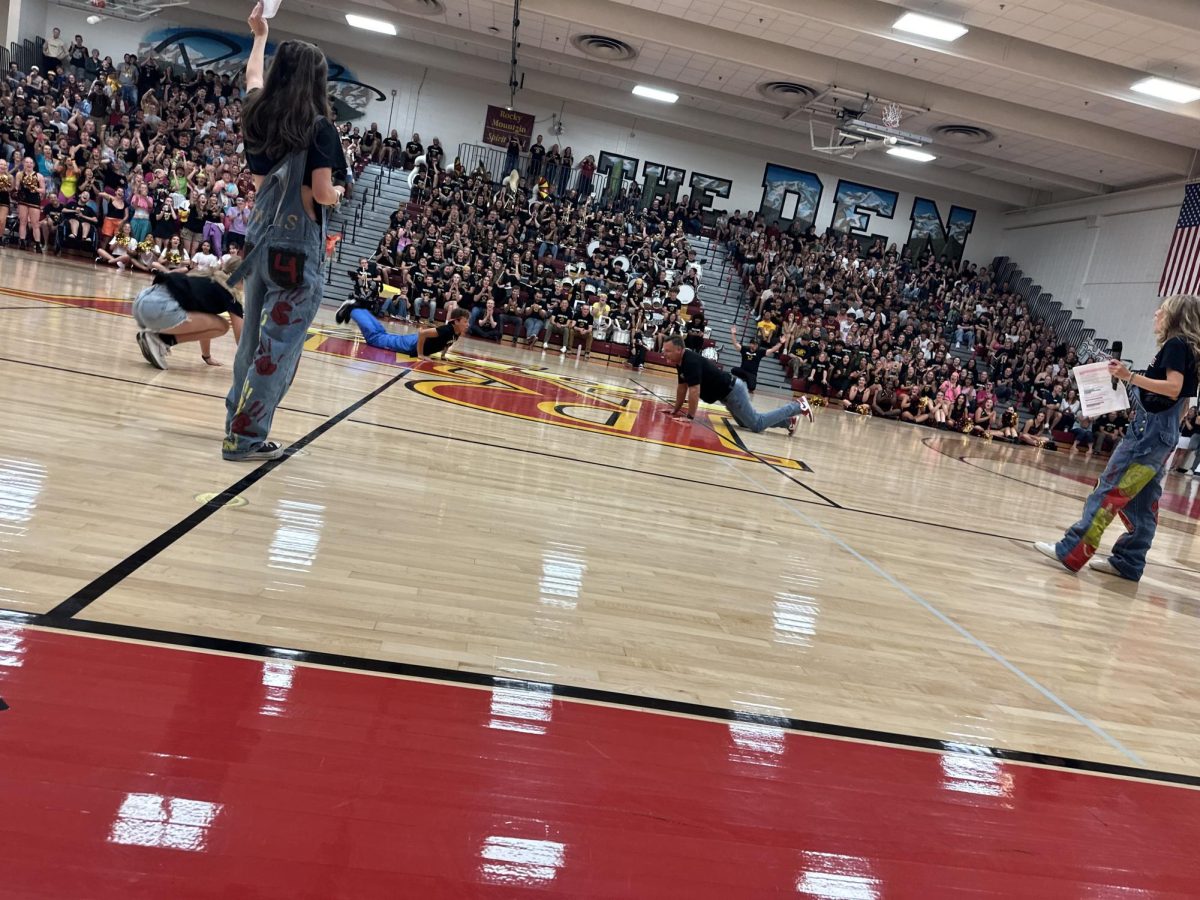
(200, 49)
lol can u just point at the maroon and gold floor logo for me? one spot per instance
(543, 395)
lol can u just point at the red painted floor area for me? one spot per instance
(139, 771)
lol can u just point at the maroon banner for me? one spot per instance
(503, 124)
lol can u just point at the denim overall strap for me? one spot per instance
(1129, 488)
(282, 274)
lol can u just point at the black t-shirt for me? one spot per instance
(751, 359)
(694, 369)
(200, 294)
(444, 338)
(583, 318)
(325, 152)
(1173, 356)
(412, 148)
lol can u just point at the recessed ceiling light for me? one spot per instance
(927, 26)
(370, 24)
(910, 153)
(655, 94)
(1163, 89)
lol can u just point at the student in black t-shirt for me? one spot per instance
(702, 379)
(752, 355)
(423, 344)
(178, 309)
(1131, 484)
(582, 324)
(559, 323)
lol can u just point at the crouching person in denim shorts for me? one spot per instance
(177, 309)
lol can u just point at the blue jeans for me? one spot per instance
(534, 327)
(377, 336)
(741, 407)
(545, 246)
(396, 305)
(430, 305)
(1129, 488)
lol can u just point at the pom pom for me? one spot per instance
(817, 402)
(863, 409)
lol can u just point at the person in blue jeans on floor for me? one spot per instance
(292, 150)
(702, 379)
(1131, 484)
(421, 344)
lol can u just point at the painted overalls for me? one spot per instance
(1130, 488)
(282, 270)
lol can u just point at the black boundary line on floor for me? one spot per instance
(544, 453)
(351, 663)
(738, 440)
(102, 584)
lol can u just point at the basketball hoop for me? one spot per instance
(892, 115)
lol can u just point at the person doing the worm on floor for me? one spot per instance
(1132, 482)
(422, 343)
(180, 308)
(702, 379)
(293, 152)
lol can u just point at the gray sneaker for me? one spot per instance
(265, 450)
(154, 348)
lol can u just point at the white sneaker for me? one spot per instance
(154, 349)
(545, 345)
(1104, 564)
(792, 423)
(563, 349)
(1048, 550)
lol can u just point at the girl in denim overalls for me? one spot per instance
(1132, 483)
(287, 131)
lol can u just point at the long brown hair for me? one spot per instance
(279, 119)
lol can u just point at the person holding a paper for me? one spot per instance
(1131, 484)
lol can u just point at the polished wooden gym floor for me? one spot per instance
(526, 528)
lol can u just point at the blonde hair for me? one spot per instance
(1181, 318)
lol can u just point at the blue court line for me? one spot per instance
(945, 619)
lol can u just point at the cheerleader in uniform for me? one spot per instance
(31, 189)
(120, 247)
(173, 258)
(1009, 421)
(143, 255)
(6, 194)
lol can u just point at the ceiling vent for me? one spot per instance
(418, 7)
(599, 46)
(789, 92)
(962, 134)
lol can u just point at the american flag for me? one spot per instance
(1181, 275)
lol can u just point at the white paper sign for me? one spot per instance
(270, 7)
(1097, 396)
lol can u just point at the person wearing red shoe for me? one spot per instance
(1132, 481)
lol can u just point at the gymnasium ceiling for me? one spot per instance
(1046, 81)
